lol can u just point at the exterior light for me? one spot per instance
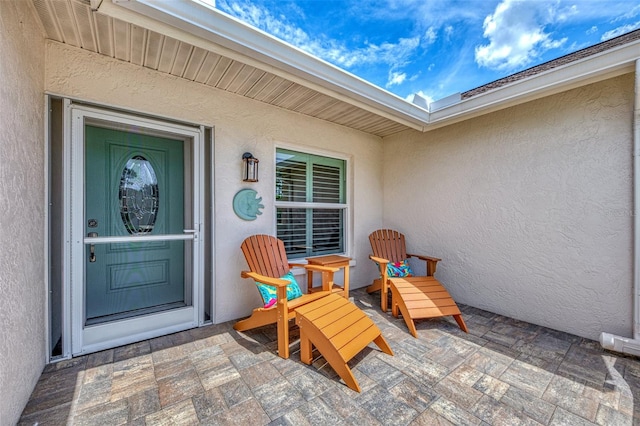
(250, 169)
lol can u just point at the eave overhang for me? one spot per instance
(598, 67)
(197, 23)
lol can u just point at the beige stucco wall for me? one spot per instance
(22, 292)
(530, 207)
(240, 125)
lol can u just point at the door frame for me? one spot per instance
(86, 339)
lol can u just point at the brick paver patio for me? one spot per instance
(504, 372)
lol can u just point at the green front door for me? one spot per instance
(134, 187)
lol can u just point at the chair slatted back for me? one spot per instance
(388, 244)
(265, 255)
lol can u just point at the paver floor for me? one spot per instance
(504, 372)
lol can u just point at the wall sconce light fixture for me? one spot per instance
(250, 169)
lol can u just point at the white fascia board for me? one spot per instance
(591, 69)
(197, 23)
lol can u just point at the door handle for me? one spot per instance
(92, 247)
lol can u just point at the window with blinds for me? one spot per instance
(310, 203)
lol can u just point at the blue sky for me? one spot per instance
(437, 47)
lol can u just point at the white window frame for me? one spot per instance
(348, 187)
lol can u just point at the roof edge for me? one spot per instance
(200, 24)
(603, 65)
(257, 48)
(575, 56)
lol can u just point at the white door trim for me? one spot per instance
(85, 339)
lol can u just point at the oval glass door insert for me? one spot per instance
(139, 196)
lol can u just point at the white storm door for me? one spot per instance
(135, 230)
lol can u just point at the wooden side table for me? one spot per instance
(333, 261)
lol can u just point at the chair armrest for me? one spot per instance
(281, 307)
(432, 263)
(316, 268)
(327, 275)
(433, 259)
(378, 259)
(382, 264)
(274, 282)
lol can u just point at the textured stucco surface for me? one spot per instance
(22, 293)
(240, 125)
(530, 207)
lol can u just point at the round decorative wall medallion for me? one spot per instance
(246, 204)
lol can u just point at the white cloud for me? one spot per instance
(396, 78)
(619, 31)
(448, 30)
(516, 33)
(562, 14)
(389, 53)
(395, 54)
(430, 35)
(629, 15)
(592, 30)
(264, 20)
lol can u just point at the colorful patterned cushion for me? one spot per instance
(399, 269)
(270, 296)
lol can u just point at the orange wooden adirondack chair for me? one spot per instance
(415, 297)
(389, 246)
(267, 262)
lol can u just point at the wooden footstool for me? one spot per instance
(339, 330)
(422, 297)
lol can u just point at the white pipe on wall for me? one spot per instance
(607, 340)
